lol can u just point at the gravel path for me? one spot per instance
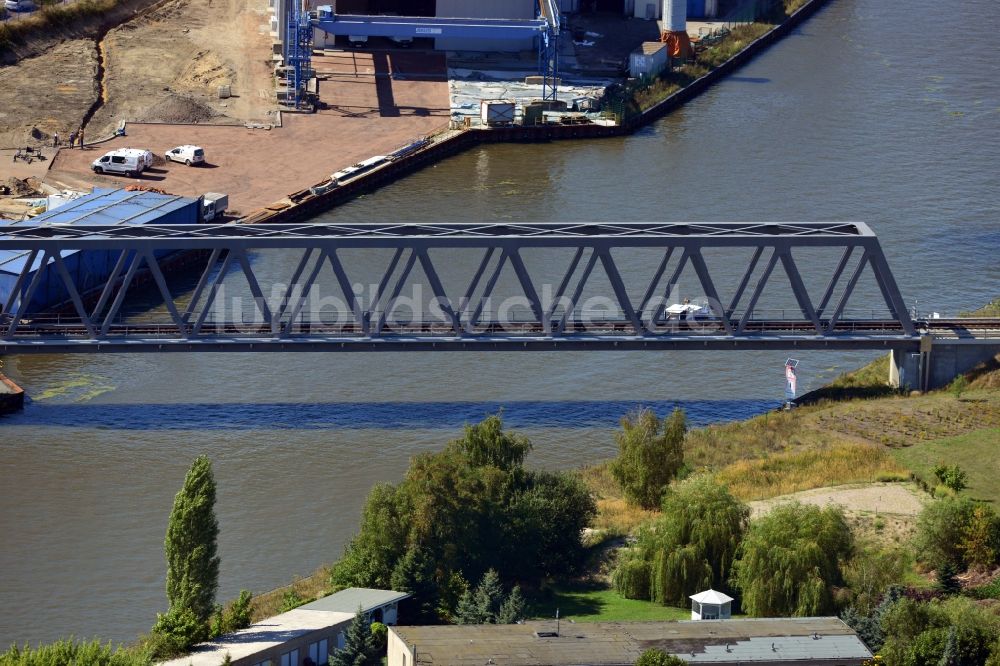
(883, 498)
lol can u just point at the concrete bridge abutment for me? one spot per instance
(938, 362)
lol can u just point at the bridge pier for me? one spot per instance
(938, 361)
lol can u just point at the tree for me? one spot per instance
(191, 553)
(359, 644)
(514, 608)
(650, 454)
(486, 443)
(415, 574)
(463, 511)
(871, 571)
(980, 537)
(542, 525)
(489, 597)
(657, 657)
(691, 547)
(941, 531)
(789, 561)
(946, 578)
(372, 555)
(488, 605)
(466, 612)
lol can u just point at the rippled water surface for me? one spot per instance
(876, 111)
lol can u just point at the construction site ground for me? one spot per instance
(161, 75)
(366, 113)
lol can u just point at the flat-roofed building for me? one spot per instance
(766, 642)
(311, 631)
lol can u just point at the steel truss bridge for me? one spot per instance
(551, 317)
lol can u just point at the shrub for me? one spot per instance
(650, 453)
(291, 599)
(631, 577)
(71, 652)
(958, 386)
(941, 531)
(656, 657)
(952, 476)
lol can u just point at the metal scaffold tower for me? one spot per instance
(298, 54)
(548, 50)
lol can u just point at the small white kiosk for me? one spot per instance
(711, 605)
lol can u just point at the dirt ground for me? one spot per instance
(880, 498)
(368, 114)
(167, 65)
(51, 92)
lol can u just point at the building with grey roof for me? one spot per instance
(765, 641)
(307, 634)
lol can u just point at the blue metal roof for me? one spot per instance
(102, 206)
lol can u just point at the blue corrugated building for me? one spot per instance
(90, 269)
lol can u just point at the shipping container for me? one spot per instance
(648, 60)
(497, 112)
(696, 8)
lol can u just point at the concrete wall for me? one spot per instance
(485, 9)
(398, 652)
(938, 362)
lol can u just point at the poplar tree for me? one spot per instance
(190, 548)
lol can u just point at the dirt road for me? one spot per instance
(881, 498)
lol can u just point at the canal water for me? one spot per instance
(875, 111)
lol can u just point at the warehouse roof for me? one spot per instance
(747, 641)
(114, 206)
(103, 206)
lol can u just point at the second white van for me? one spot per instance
(128, 161)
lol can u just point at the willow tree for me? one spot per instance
(691, 547)
(790, 560)
(650, 454)
(191, 553)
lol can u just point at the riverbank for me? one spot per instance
(324, 195)
(376, 113)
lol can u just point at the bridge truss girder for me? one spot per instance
(461, 320)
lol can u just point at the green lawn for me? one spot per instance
(975, 452)
(597, 604)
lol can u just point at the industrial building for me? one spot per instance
(88, 269)
(758, 642)
(310, 632)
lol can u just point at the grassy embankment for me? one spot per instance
(642, 95)
(843, 436)
(856, 430)
(52, 16)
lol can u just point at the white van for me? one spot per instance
(187, 154)
(129, 161)
(357, 41)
